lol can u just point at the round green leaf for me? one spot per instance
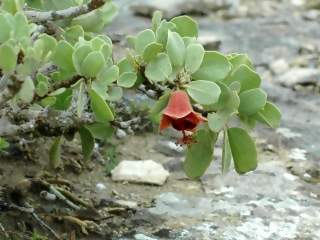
(156, 20)
(248, 78)
(143, 39)
(62, 56)
(162, 31)
(186, 26)
(79, 55)
(125, 66)
(204, 92)
(243, 150)
(194, 57)
(214, 67)
(5, 29)
(92, 64)
(114, 94)
(100, 108)
(217, 121)
(251, 101)
(175, 49)
(199, 154)
(159, 69)
(26, 92)
(101, 131)
(108, 75)
(73, 33)
(127, 79)
(269, 115)
(239, 59)
(151, 51)
(8, 58)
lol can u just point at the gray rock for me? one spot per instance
(174, 8)
(296, 76)
(311, 15)
(169, 148)
(146, 171)
(209, 41)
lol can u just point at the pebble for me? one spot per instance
(100, 186)
(145, 171)
(279, 66)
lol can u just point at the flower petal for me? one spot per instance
(165, 122)
(179, 105)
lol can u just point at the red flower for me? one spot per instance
(180, 115)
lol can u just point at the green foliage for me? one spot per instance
(3, 144)
(83, 80)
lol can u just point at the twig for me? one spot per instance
(60, 196)
(44, 225)
(73, 197)
(72, 12)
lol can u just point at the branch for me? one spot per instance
(72, 12)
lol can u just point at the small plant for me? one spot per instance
(58, 79)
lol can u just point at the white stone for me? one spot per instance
(279, 66)
(299, 76)
(146, 171)
(100, 186)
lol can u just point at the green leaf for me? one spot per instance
(42, 89)
(162, 32)
(251, 101)
(100, 108)
(125, 66)
(3, 144)
(217, 121)
(248, 78)
(143, 39)
(114, 94)
(156, 20)
(63, 100)
(73, 33)
(214, 67)
(159, 69)
(5, 29)
(127, 80)
(55, 153)
(62, 56)
(194, 57)
(79, 55)
(101, 131)
(269, 115)
(186, 26)
(160, 104)
(151, 51)
(87, 142)
(239, 59)
(57, 92)
(203, 92)
(226, 153)
(48, 101)
(199, 154)
(27, 90)
(8, 58)
(228, 100)
(12, 6)
(243, 150)
(95, 20)
(92, 64)
(175, 49)
(108, 75)
(21, 28)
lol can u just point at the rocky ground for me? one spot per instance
(281, 199)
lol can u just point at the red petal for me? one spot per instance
(165, 122)
(179, 105)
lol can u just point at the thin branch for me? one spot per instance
(72, 12)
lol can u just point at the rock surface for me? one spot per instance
(146, 171)
(300, 76)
